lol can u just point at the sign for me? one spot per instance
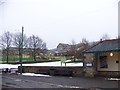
(88, 64)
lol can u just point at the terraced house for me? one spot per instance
(103, 59)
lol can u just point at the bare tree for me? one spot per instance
(77, 49)
(44, 46)
(2, 2)
(105, 37)
(17, 41)
(36, 44)
(83, 46)
(73, 49)
(6, 42)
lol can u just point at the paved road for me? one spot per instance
(18, 81)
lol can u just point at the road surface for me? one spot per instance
(17, 81)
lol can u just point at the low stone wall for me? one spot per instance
(68, 71)
(89, 72)
(110, 74)
(62, 71)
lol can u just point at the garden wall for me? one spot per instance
(53, 70)
(110, 74)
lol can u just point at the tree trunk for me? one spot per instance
(75, 56)
(34, 54)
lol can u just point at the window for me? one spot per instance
(103, 62)
(117, 61)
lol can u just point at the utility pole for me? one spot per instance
(21, 52)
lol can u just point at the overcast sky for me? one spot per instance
(58, 21)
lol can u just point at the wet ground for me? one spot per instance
(17, 81)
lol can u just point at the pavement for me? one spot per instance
(17, 81)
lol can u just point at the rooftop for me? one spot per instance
(105, 46)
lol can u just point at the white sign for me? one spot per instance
(89, 64)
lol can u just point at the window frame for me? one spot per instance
(103, 62)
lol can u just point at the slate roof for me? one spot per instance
(105, 46)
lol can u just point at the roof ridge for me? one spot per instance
(93, 46)
(102, 44)
(111, 40)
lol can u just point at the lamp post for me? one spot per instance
(21, 51)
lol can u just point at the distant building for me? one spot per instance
(14, 52)
(67, 50)
(26, 53)
(62, 48)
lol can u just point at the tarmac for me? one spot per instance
(81, 83)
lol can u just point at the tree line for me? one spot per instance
(33, 42)
(36, 45)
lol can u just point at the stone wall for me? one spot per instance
(62, 71)
(89, 65)
(110, 74)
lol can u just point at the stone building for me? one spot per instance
(103, 59)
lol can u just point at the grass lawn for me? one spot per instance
(72, 61)
(67, 60)
(15, 59)
(29, 60)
